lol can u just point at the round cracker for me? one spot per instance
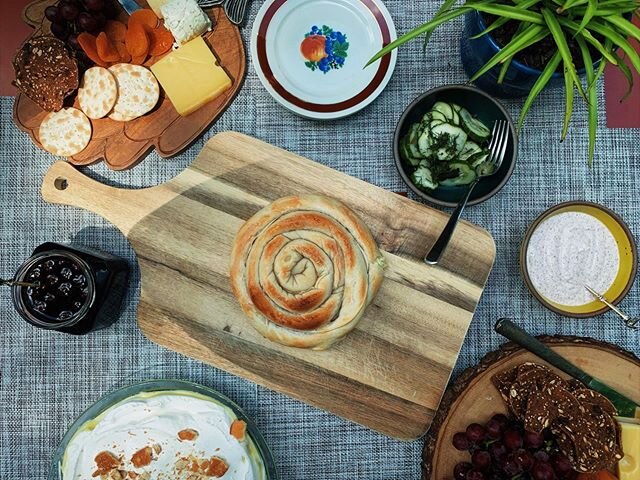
(98, 92)
(119, 117)
(65, 132)
(138, 89)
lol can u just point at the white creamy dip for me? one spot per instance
(567, 251)
(155, 419)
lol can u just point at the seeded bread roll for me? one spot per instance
(304, 269)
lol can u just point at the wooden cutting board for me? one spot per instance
(388, 374)
(473, 398)
(123, 144)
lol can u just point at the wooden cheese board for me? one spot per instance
(123, 144)
(473, 398)
(388, 374)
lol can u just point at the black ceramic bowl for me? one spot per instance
(485, 108)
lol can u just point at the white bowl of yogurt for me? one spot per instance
(575, 244)
(163, 429)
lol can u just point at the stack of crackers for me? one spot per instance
(124, 92)
(581, 420)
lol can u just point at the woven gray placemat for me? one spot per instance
(47, 379)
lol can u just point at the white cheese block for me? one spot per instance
(156, 5)
(185, 19)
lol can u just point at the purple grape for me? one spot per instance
(494, 429)
(87, 22)
(510, 467)
(72, 41)
(94, 5)
(524, 459)
(60, 30)
(475, 475)
(461, 442)
(502, 419)
(69, 11)
(53, 14)
(561, 464)
(541, 456)
(542, 471)
(497, 450)
(512, 439)
(460, 470)
(481, 460)
(476, 433)
(533, 440)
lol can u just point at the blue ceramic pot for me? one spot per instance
(475, 53)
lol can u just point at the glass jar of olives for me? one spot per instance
(70, 289)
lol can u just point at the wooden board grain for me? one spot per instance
(473, 398)
(388, 374)
(123, 144)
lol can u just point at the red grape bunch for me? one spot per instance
(502, 450)
(70, 17)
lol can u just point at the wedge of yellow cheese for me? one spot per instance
(191, 76)
(155, 6)
(629, 466)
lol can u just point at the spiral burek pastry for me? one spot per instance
(304, 269)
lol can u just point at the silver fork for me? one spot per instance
(497, 149)
(235, 10)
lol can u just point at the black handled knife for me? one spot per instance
(625, 406)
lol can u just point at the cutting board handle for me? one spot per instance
(64, 184)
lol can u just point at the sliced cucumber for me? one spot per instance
(456, 107)
(413, 133)
(405, 153)
(457, 136)
(470, 148)
(485, 168)
(456, 117)
(414, 151)
(478, 158)
(464, 175)
(424, 143)
(477, 130)
(423, 178)
(435, 123)
(436, 115)
(443, 108)
(445, 154)
(427, 117)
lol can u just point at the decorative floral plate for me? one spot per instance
(310, 54)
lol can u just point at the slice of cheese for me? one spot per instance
(191, 76)
(629, 466)
(156, 5)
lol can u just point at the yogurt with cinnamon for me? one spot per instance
(163, 435)
(567, 251)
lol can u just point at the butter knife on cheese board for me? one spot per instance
(625, 406)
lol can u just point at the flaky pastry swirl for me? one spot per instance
(304, 269)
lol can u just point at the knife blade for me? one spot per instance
(129, 6)
(625, 406)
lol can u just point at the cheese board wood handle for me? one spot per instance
(510, 330)
(66, 185)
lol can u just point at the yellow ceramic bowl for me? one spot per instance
(627, 250)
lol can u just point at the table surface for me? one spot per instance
(48, 379)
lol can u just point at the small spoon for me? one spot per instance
(12, 282)
(631, 322)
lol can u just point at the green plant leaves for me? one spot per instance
(573, 26)
(592, 6)
(568, 106)
(424, 28)
(542, 81)
(592, 93)
(624, 26)
(617, 39)
(563, 47)
(506, 11)
(528, 37)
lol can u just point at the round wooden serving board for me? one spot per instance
(473, 398)
(123, 144)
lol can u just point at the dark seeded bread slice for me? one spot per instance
(46, 72)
